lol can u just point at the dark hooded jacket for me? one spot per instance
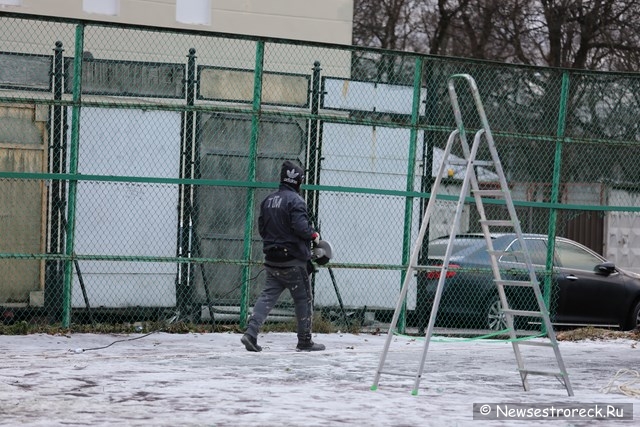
(284, 221)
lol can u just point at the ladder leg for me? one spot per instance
(412, 263)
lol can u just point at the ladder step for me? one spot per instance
(546, 373)
(401, 374)
(464, 162)
(514, 283)
(489, 193)
(523, 313)
(535, 343)
(483, 163)
(497, 222)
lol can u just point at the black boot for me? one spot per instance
(250, 343)
(309, 345)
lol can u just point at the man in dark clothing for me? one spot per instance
(286, 235)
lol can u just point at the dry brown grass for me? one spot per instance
(596, 334)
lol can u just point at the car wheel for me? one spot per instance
(496, 320)
(634, 319)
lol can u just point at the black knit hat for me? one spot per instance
(291, 174)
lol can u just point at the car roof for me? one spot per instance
(474, 250)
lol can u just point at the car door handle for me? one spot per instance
(572, 277)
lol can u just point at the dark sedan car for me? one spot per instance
(583, 288)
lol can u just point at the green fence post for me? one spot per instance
(428, 144)
(555, 186)
(411, 173)
(54, 268)
(73, 170)
(315, 149)
(253, 150)
(186, 211)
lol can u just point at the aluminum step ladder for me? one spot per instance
(470, 180)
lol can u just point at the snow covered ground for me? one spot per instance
(211, 380)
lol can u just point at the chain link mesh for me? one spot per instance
(133, 161)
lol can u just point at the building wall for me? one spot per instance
(328, 21)
(622, 231)
(22, 149)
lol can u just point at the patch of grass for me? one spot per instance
(599, 334)
(25, 328)
(320, 325)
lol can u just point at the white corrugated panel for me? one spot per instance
(366, 228)
(129, 218)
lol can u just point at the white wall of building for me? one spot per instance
(622, 231)
(329, 21)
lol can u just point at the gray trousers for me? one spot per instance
(296, 280)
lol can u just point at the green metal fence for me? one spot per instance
(133, 160)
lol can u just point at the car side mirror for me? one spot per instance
(605, 269)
